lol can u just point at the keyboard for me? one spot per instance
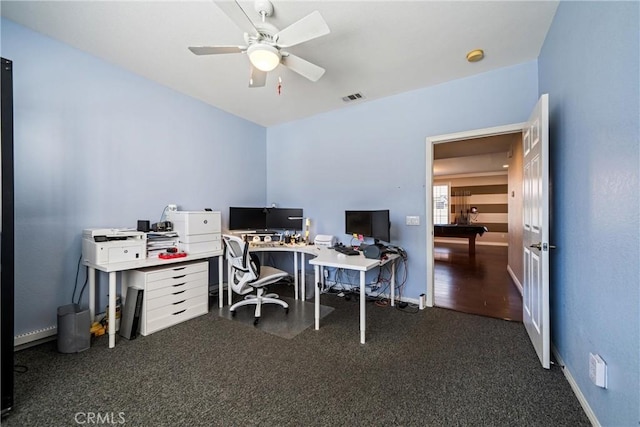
(346, 250)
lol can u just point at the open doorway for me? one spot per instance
(481, 172)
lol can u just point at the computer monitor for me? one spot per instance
(284, 219)
(241, 218)
(381, 226)
(370, 223)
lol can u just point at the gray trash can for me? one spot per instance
(74, 326)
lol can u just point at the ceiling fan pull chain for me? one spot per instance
(279, 85)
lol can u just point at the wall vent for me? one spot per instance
(353, 97)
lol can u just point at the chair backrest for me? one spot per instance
(245, 266)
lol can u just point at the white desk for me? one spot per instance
(114, 268)
(296, 249)
(330, 258)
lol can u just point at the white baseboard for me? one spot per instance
(576, 390)
(460, 241)
(22, 340)
(515, 279)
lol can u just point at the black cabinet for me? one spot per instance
(7, 239)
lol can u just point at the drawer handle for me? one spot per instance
(179, 277)
(179, 292)
(179, 268)
(179, 284)
(179, 302)
(179, 312)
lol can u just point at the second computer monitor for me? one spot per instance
(284, 219)
(371, 223)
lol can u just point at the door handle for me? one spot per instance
(542, 246)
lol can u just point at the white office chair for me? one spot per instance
(247, 275)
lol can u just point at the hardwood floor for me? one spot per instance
(477, 284)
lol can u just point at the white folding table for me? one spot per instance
(330, 258)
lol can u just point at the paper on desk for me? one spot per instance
(161, 234)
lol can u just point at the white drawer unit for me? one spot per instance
(172, 294)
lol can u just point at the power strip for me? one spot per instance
(369, 288)
(348, 287)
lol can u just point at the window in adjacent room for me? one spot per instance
(441, 204)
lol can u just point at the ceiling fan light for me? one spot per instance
(263, 56)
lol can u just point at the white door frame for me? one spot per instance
(430, 142)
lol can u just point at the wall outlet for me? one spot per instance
(412, 220)
(597, 370)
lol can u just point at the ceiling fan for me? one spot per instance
(264, 42)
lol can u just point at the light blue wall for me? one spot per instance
(372, 155)
(97, 146)
(589, 66)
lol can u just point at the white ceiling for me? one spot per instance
(377, 48)
(474, 156)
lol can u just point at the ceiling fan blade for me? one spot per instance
(257, 77)
(302, 67)
(233, 10)
(307, 28)
(214, 50)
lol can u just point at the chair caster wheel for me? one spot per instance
(286, 310)
(233, 314)
(255, 321)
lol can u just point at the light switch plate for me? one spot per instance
(413, 220)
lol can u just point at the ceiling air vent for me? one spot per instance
(353, 97)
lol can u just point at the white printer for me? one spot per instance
(325, 240)
(110, 245)
(198, 231)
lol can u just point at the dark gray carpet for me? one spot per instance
(274, 320)
(429, 368)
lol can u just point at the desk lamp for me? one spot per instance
(307, 224)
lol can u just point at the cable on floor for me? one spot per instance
(20, 369)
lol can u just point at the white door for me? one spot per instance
(535, 289)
